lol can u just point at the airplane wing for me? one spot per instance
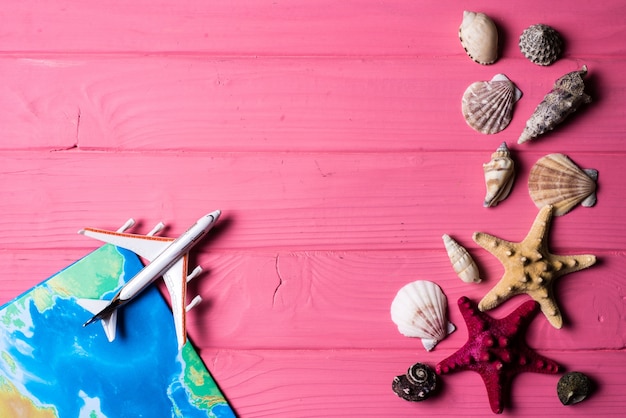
(175, 278)
(148, 247)
(176, 282)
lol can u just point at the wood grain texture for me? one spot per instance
(325, 201)
(276, 300)
(297, 27)
(357, 383)
(330, 135)
(286, 104)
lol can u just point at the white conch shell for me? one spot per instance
(419, 310)
(462, 262)
(555, 180)
(479, 37)
(567, 95)
(488, 105)
(499, 176)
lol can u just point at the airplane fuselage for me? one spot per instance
(170, 255)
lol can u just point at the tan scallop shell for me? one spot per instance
(499, 176)
(462, 262)
(420, 310)
(555, 180)
(479, 37)
(488, 105)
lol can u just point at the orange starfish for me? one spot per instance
(530, 268)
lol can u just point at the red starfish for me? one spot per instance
(496, 349)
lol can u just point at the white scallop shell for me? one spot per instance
(420, 310)
(462, 262)
(499, 176)
(488, 105)
(479, 37)
(555, 180)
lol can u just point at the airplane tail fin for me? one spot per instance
(96, 306)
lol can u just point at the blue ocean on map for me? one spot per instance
(66, 370)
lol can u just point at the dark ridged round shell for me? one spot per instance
(573, 387)
(541, 44)
(419, 382)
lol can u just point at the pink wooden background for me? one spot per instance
(330, 135)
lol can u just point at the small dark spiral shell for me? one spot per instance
(573, 387)
(419, 382)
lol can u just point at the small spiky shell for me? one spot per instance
(488, 105)
(541, 44)
(462, 262)
(420, 310)
(566, 96)
(499, 176)
(479, 37)
(556, 180)
(419, 382)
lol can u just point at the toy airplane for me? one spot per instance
(168, 258)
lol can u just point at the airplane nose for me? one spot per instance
(215, 215)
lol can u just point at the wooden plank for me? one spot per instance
(295, 28)
(290, 201)
(346, 297)
(263, 300)
(200, 103)
(358, 383)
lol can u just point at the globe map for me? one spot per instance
(51, 366)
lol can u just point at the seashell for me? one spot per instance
(462, 262)
(419, 310)
(499, 176)
(555, 180)
(566, 96)
(419, 382)
(479, 37)
(573, 387)
(541, 44)
(488, 105)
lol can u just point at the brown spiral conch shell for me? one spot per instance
(565, 97)
(499, 176)
(479, 37)
(488, 105)
(541, 44)
(418, 384)
(555, 180)
(461, 260)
